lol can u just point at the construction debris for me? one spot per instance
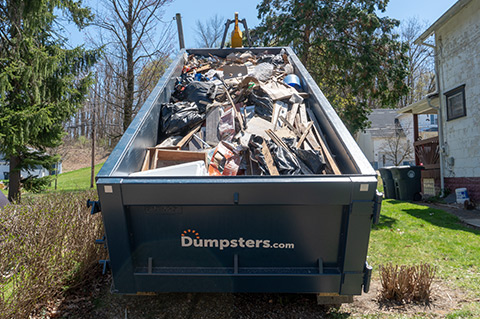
(245, 114)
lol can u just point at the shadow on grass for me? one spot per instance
(437, 217)
(384, 222)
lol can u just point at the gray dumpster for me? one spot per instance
(295, 234)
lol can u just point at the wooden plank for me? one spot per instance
(187, 137)
(293, 113)
(211, 126)
(146, 161)
(304, 135)
(328, 156)
(272, 169)
(155, 159)
(311, 139)
(204, 68)
(303, 114)
(277, 140)
(291, 127)
(238, 115)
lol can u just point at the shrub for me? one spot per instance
(46, 244)
(406, 284)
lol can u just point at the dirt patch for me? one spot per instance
(94, 300)
(77, 155)
(443, 301)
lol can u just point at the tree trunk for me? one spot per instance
(128, 106)
(14, 179)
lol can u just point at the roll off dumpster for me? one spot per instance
(286, 233)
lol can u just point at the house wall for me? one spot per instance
(458, 58)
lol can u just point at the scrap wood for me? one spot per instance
(292, 113)
(205, 67)
(303, 114)
(328, 156)
(277, 140)
(304, 135)
(238, 115)
(187, 137)
(212, 119)
(291, 127)
(279, 109)
(272, 169)
(311, 139)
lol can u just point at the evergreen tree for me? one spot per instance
(351, 52)
(41, 82)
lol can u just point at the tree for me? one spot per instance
(397, 147)
(128, 30)
(41, 82)
(350, 51)
(421, 75)
(209, 34)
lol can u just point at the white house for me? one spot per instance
(38, 171)
(456, 42)
(385, 124)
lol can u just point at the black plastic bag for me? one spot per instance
(263, 105)
(312, 159)
(285, 162)
(202, 93)
(179, 118)
(256, 155)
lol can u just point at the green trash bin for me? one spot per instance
(407, 180)
(388, 183)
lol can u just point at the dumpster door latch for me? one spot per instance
(95, 204)
(377, 206)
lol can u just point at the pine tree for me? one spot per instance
(41, 82)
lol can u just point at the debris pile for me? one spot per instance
(245, 114)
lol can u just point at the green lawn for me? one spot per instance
(410, 234)
(72, 181)
(75, 180)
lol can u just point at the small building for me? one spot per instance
(388, 140)
(456, 151)
(38, 171)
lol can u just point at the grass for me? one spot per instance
(75, 180)
(71, 181)
(412, 234)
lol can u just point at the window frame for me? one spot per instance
(451, 93)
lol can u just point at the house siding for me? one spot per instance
(458, 54)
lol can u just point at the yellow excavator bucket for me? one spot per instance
(236, 34)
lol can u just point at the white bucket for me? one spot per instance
(462, 195)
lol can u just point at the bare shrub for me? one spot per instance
(46, 245)
(406, 284)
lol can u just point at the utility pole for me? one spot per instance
(92, 176)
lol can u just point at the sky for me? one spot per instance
(193, 10)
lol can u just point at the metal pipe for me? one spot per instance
(181, 40)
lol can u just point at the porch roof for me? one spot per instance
(422, 106)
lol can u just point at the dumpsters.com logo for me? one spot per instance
(191, 238)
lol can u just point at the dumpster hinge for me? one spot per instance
(377, 207)
(367, 276)
(95, 204)
(105, 263)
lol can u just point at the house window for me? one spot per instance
(456, 103)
